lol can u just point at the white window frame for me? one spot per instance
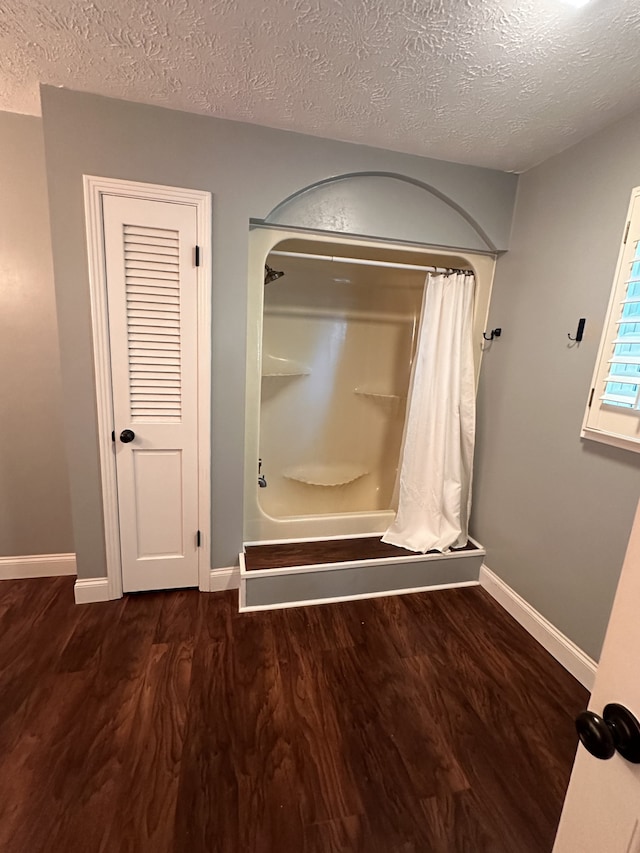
(591, 428)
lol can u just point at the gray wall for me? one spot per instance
(249, 170)
(382, 205)
(35, 515)
(555, 511)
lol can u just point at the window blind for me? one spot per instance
(622, 384)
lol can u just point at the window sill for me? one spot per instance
(612, 439)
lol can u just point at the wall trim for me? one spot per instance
(91, 590)
(355, 563)
(375, 533)
(37, 566)
(358, 596)
(225, 578)
(565, 651)
(94, 190)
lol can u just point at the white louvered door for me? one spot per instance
(152, 309)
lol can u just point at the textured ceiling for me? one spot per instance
(495, 83)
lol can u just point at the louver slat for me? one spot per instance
(164, 394)
(146, 371)
(622, 382)
(155, 366)
(139, 272)
(153, 314)
(165, 234)
(147, 243)
(147, 285)
(140, 330)
(151, 264)
(146, 294)
(153, 342)
(152, 283)
(169, 308)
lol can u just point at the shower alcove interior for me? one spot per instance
(330, 349)
(337, 345)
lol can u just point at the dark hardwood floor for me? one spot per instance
(286, 554)
(169, 723)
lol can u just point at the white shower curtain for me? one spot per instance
(434, 477)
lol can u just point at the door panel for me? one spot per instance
(602, 807)
(152, 307)
(159, 523)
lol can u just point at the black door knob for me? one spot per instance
(127, 435)
(616, 729)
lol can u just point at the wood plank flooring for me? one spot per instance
(283, 555)
(169, 723)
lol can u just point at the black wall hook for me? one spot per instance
(579, 331)
(495, 333)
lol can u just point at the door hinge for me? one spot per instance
(198, 539)
(197, 256)
(626, 232)
(591, 398)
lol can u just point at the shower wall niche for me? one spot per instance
(327, 393)
(337, 345)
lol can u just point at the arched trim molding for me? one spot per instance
(384, 205)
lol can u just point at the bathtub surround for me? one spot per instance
(436, 461)
(329, 353)
(337, 343)
(249, 170)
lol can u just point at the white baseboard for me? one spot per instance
(37, 566)
(226, 578)
(90, 590)
(578, 663)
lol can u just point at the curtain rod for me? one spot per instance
(368, 263)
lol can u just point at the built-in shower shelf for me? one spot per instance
(272, 365)
(378, 395)
(326, 475)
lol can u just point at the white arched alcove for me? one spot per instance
(381, 205)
